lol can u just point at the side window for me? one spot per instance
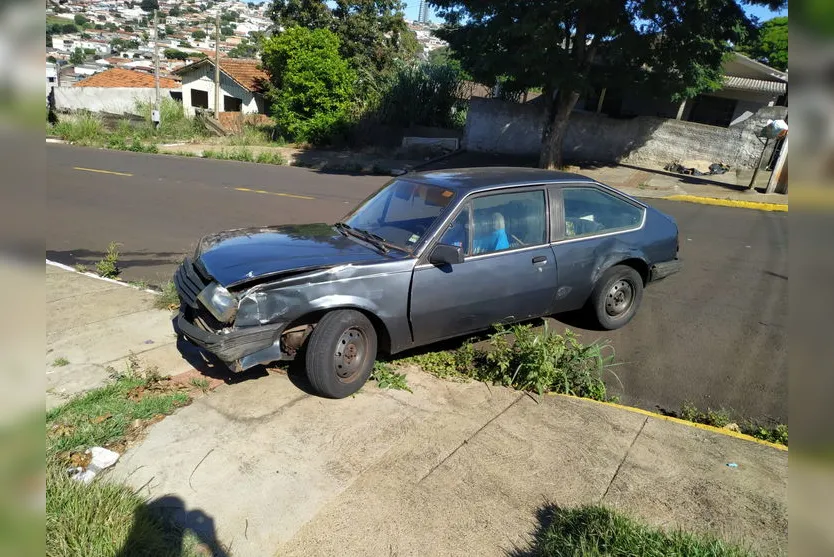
(457, 233)
(589, 211)
(508, 221)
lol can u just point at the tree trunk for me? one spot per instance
(556, 125)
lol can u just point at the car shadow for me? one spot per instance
(212, 367)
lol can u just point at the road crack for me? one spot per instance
(625, 456)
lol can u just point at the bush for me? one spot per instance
(535, 361)
(108, 266)
(271, 157)
(312, 85)
(82, 129)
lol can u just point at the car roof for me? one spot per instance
(466, 180)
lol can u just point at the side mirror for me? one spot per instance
(444, 254)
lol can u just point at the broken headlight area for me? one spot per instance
(219, 302)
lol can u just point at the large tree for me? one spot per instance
(769, 43)
(372, 33)
(671, 49)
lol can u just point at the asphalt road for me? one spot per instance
(714, 335)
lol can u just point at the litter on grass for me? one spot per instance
(100, 460)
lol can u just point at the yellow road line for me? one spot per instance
(730, 202)
(705, 427)
(101, 171)
(276, 193)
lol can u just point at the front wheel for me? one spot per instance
(617, 296)
(341, 353)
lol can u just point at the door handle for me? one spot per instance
(539, 259)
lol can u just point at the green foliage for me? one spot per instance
(120, 45)
(776, 434)
(174, 11)
(108, 267)
(721, 418)
(199, 34)
(372, 33)
(174, 54)
(80, 20)
(546, 362)
(149, 5)
(769, 43)
(386, 378)
(594, 530)
(245, 49)
(570, 48)
(77, 57)
(524, 359)
(200, 383)
(60, 362)
(271, 157)
(81, 129)
(421, 94)
(312, 86)
(168, 298)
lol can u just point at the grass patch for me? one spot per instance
(168, 298)
(60, 362)
(387, 378)
(81, 129)
(777, 433)
(241, 154)
(108, 267)
(595, 530)
(200, 383)
(104, 518)
(271, 157)
(534, 361)
(81, 268)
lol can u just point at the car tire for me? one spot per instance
(616, 296)
(340, 353)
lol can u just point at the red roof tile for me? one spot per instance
(121, 77)
(246, 72)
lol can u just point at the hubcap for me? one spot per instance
(351, 352)
(619, 298)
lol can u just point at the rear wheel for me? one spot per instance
(616, 296)
(341, 353)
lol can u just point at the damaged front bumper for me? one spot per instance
(664, 269)
(239, 349)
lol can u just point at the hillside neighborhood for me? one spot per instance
(362, 278)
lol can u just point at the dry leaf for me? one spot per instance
(99, 419)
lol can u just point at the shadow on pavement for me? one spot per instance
(210, 366)
(169, 511)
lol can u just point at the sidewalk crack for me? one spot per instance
(465, 441)
(625, 456)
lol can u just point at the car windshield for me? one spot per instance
(401, 213)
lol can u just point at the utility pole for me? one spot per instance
(217, 65)
(155, 116)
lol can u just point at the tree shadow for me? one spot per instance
(160, 526)
(127, 259)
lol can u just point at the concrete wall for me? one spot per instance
(118, 100)
(202, 79)
(515, 129)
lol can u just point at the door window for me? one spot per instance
(457, 233)
(589, 211)
(508, 221)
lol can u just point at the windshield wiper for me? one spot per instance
(375, 239)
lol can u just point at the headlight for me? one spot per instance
(219, 302)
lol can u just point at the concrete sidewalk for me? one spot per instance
(450, 469)
(92, 324)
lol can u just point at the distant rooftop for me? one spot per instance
(120, 77)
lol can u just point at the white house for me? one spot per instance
(241, 86)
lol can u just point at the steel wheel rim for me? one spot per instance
(350, 355)
(619, 298)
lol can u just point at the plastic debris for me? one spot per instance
(732, 465)
(149, 341)
(101, 460)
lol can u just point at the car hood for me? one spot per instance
(238, 256)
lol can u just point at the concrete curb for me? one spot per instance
(95, 276)
(704, 427)
(730, 202)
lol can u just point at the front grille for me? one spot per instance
(189, 283)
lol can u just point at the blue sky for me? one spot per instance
(412, 6)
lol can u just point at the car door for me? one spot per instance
(508, 273)
(590, 225)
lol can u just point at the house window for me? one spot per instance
(713, 111)
(232, 104)
(199, 99)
